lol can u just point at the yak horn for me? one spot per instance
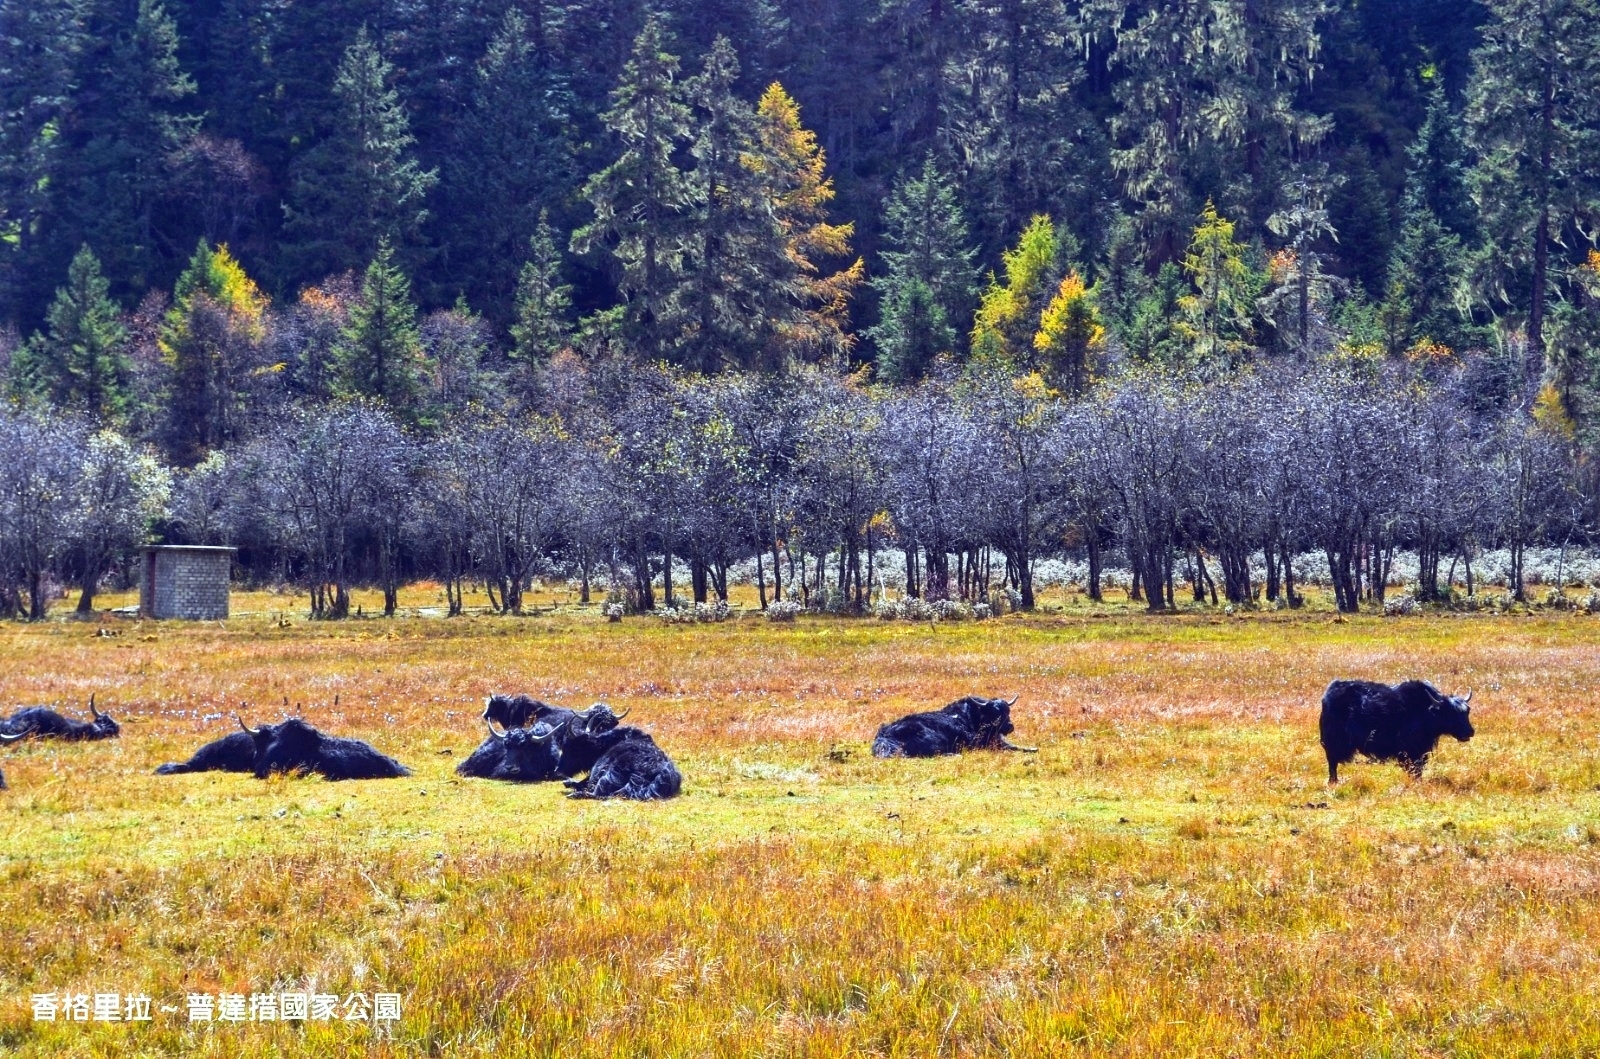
(486, 704)
(492, 731)
(1467, 697)
(7, 737)
(246, 727)
(1013, 700)
(548, 735)
(624, 713)
(92, 711)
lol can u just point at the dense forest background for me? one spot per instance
(219, 216)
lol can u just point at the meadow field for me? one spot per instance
(1169, 875)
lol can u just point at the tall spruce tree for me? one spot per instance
(360, 187)
(511, 163)
(1437, 222)
(115, 135)
(929, 280)
(739, 283)
(379, 353)
(1207, 105)
(544, 303)
(1533, 113)
(641, 200)
(80, 361)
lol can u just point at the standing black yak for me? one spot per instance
(4, 738)
(295, 746)
(43, 723)
(1402, 723)
(231, 753)
(512, 755)
(971, 723)
(621, 761)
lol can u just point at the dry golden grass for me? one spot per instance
(1169, 875)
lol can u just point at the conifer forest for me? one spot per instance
(1195, 297)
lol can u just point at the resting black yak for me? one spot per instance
(295, 746)
(7, 739)
(971, 723)
(512, 755)
(519, 711)
(621, 761)
(231, 753)
(1402, 723)
(43, 723)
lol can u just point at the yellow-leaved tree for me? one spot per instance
(1008, 315)
(209, 340)
(1070, 338)
(795, 171)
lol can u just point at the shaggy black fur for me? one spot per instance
(971, 723)
(1402, 723)
(43, 723)
(231, 753)
(627, 764)
(295, 746)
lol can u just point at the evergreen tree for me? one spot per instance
(81, 361)
(640, 200)
(360, 187)
(544, 303)
(511, 161)
(1303, 223)
(1207, 104)
(739, 284)
(1534, 117)
(379, 354)
(929, 281)
(208, 340)
(115, 134)
(1436, 219)
(795, 170)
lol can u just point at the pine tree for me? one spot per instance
(929, 281)
(207, 339)
(360, 187)
(511, 161)
(739, 284)
(641, 198)
(1534, 116)
(379, 354)
(81, 361)
(544, 303)
(795, 170)
(1303, 223)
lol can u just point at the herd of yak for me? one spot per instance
(597, 756)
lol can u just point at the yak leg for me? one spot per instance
(1413, 765)
(1333, 771)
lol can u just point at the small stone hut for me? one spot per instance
(185, 581)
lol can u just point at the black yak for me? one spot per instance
(518, 755)
(43, 723)
(971, 723)
(621, 761)
(520, 711)
(4, 738)
(295, 746)
(1402, 723)
(231, 753)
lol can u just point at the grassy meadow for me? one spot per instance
(1169, 875)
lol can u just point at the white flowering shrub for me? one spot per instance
(613, 611)
(1403, 605)
(982, 611)
(783, 610)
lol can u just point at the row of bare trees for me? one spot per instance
(811, 476)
